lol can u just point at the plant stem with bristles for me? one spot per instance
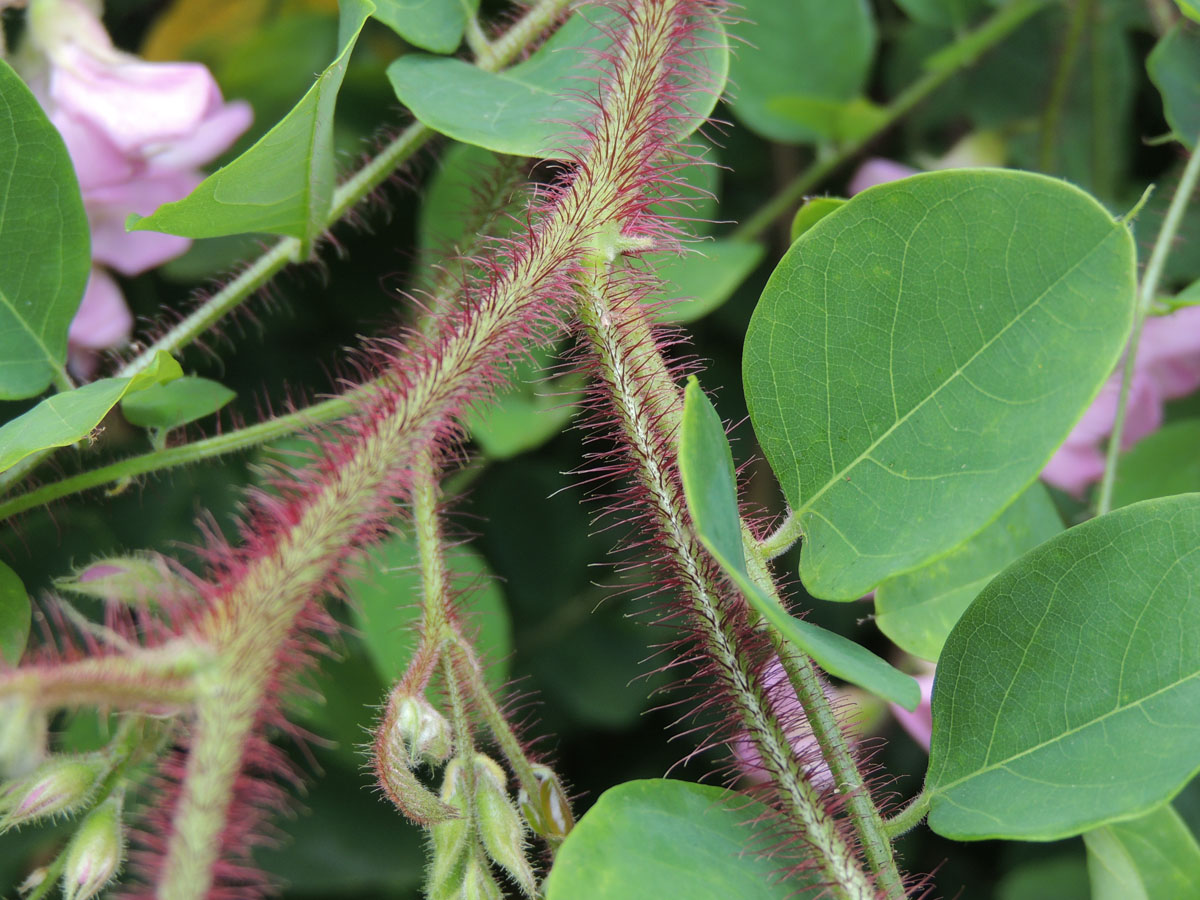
(626, 364)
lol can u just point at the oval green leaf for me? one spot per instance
(386, 600)
(72, 415)
(803, 50)
(535, 108)
(1068, 695)
(1174, 67)
(919, 353)
(175, 403)
(812, 212)
(284, 183)
(1153, 857)
(657, 838)
(918, 609)
(710, 487)
(704, 277)
(15, 616)
(45, 249)
(433, 25)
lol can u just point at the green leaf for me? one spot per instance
(1174, 67)
(1189, 8)
(433, 25)
(176, 403)
(917, 610)
(1161, 464)
(919, 353)
(534, 108)
(1066, 697)
(942, 13)
(72, 415)
(804, 51)
(646, 840)
(1154, 857)
(704, 277)
(283, 184)
(387, 607)
(812, 212)
(530, 413)
(841, 121)
(15, 615)
(44, 244)
(710, 485)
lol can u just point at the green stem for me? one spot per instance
(909, 817)
(781, 540)
(805, 680)
(943, 66)
(1146, 294)
(349, 194)
(1081, 12)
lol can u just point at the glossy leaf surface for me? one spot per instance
(1068, 695)
(919, 353)
(534, 108)
(45, 251)
(71, 416)
(646, 840)
(1153, 857)
(283, 184)
(710, 485)
(918, 609)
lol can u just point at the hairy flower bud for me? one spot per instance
(95, 853)
(61, 785)
(479, 883)
(548, 813)
(451, 839)
(131, 580)
(500, 826)
(23, 732)
(424, 731)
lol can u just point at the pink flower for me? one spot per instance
(136, 132)
(919, 722)
(877, 171)
(1167, 367)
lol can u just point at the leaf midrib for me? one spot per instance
(999, 764)
(838, 475)
(55, 366)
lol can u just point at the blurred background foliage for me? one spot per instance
(578, 654)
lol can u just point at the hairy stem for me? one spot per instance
(299, 554)
(350, 193)
(150, 681)
(624, 370)
(942, 67)
(1146, 294)
(909, 817)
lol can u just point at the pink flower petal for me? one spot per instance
(878, 171)
(103, 319)
(134, 252)
(97, 160)
(211, 138)
(919, 722)
(136, 104)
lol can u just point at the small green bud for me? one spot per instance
(59, 786)
(548, 814)
(131, 580)
(500, 826)
(23, 733)
(451, 839)
(422, 729)
(95, 853)
(479, 883)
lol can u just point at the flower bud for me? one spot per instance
(424, 731)
(95, 853)
(451, 839)
(130, 580)
(479, 883)
(500, 826)
(23, 733)
(61, 785)
(549, 813)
